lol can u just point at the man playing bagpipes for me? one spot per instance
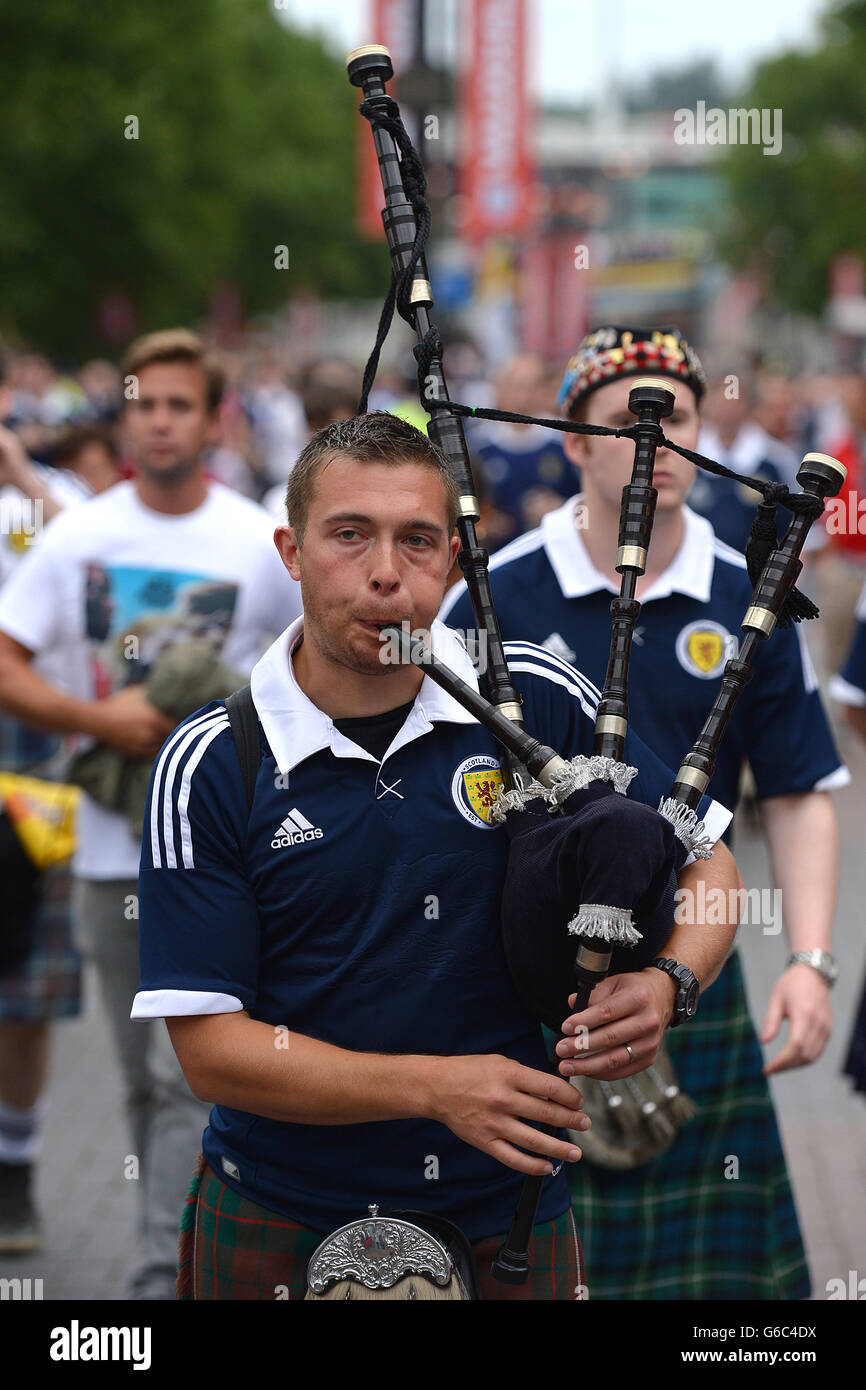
(681, 1225)
(326, 950)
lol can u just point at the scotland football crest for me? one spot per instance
(474, 787)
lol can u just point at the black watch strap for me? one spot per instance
(688, 989)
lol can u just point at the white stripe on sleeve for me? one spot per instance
(543, 654)
(846, 693)
(716, 822)
(545, 671)
(183, 800)
(182, 1003)
(810, 677)
(833, 780)
(202, 720)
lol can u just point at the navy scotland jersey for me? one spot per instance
(514, 461)
(729, 506)
(849, 686)
(359, 904)
(546, 588)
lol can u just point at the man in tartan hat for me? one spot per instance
(681, 1225)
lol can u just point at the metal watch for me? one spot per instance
(688, 989)
(822, 961)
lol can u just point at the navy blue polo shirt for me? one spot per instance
(546, 588)
(849, 686)
(514, 461)
(359, 904)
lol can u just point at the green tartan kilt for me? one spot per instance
(232, 1249)
(694, 1224)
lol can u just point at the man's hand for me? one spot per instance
(801, 996)
(633, 1009)
(486, 1101)
(128, 722)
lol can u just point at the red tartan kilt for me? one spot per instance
(232, 1249)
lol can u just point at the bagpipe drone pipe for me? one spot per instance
(591, 875)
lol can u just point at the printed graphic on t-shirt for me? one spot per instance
(132, 615)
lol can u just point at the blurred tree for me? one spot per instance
(672, 88)
(792, 213)
(245, 142)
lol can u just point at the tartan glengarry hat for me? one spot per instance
(611, 352)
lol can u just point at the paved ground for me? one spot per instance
(89, 1206)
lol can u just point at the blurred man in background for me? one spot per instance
(732, 435)
(524, 467)
(129, 569)
(553, 587)
(44, 983)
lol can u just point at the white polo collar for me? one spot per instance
(296, 728)
(690, 572)
(752, 447)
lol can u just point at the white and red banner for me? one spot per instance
(495, 166)
(392, 23)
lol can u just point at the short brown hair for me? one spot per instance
(177, 345)
(378, 437)
(76, 438)
(324, 402)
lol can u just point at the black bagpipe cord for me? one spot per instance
(383, 112)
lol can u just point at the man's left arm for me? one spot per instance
(804, 852)
(635, 1009)
(795, 762)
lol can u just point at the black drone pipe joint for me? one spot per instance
(651, 399)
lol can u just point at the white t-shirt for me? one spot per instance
(112, 584)
(21, 517)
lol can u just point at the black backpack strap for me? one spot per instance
(245, 731)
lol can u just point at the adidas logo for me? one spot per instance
(294, 830)
(558, 645)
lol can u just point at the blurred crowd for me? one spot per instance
(64, 441)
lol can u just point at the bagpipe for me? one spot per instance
(591, 876)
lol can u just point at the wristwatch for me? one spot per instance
(688, 989)
(822, 961)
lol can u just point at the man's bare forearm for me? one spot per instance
(236, 1061)
(27, 696)
(804, 851)
(27, 480)
(855, 715)
(700, 945)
